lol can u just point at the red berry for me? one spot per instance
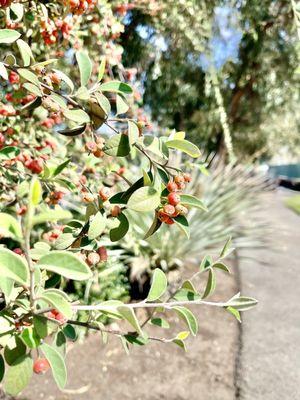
(115, 211)
(41, 366)
(61, 318)
(169, 221)
(93, 259)
(36, 166)
(187, 177)
(91, 146)
(172, 187)
(102, 253)
(180, 209)
(121, 170)
(13, 77)
(104, 193)
(17, 250)
(173, 198)
(180, 185)
(179, 179)
(169, 210)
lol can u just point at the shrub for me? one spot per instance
(60, 201)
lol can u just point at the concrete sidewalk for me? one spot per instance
(269, 359)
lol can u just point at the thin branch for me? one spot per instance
(166, 305)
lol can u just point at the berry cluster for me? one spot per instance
(173, 207)
(79, 7)
(52, 30)
(95, 257)
(96, 147)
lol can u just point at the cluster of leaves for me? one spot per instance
(76, 173)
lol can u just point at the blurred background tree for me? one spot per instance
(253, 48)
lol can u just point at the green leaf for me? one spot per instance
(227, 249)
(3, 71)
(70, 332)
(25, 51)
(182, 224)
(189, 286)
(147, 179)
(18, 375)
(158, 286)
(115, 86)
(160, 322)
(122, 106)
(242, 303)
(235, 313)
(144, 199)
(74, 131)
(186, 295)
(206, 262)
(29, 76)
(9, 152)
(221, 266)
(137, 340)
(211, 284)
(17, 351)
(64, 241)
(85, 66)
(79, 116)
(60, 343)
(6, 287)
(58, 100)
(133, 132)
(13, 266)
(82, 93)
(61, 167)
(10, 227)
(57, 364)
(191, 201)
(34, 90)
(58, 300)
(103, 103)
(156, 224)
(185, 146)
(120, 231)
(53, 215)
(189, 318)
(43, 326)
(97, 226)
(101, 69)
(16, 11)
(35, 192)
(8, 35)
(65, 79)
(117, 146)
(179, 343)
(66, 264)
(30, 337)
(128, 314)
(2, 368)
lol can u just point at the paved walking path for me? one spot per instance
(270, 341)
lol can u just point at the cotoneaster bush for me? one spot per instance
(65, 195)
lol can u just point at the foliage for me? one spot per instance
(68, 132)
(258, 78)
(230, 194)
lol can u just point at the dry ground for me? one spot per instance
(156, 371)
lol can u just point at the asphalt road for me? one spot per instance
(269, 360)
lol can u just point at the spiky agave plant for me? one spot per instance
(233, 196)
